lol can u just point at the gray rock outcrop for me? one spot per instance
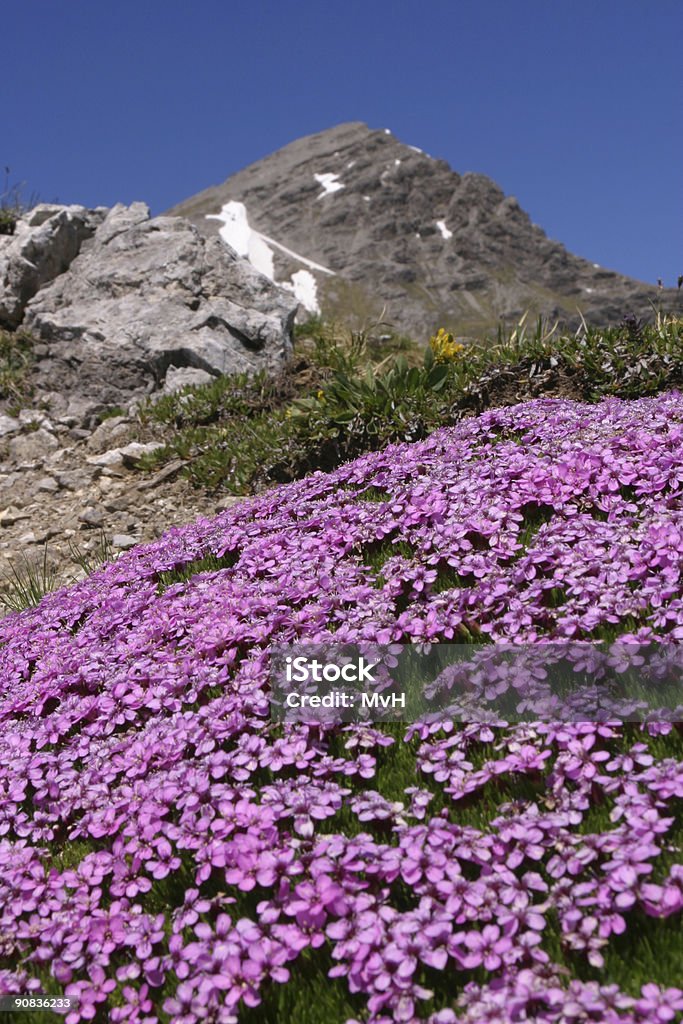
(397, 230)
(43, 245)
(117, 299)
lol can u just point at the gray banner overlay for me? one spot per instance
(495, 683)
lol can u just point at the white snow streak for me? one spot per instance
(441, 225)
(256, 248)
(296, 256)
(329, 184)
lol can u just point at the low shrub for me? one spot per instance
(344, 395)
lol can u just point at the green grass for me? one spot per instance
(210, 563)
(89, 561)
(13, 203)
(27, 580)
(111, 413)
(349, 392)
(16, 359)
(319, 999)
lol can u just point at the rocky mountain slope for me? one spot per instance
(353, 221)
(79, 493)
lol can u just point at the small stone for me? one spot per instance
(47, 483)
(29, 417)
(91, 517)
(113, 457)
(178, 377)
(129, 455)
(120, 504)
(101, 438)
(28, 538)
(72, 479)
(44, 535)
(8, 425)
(123, 541)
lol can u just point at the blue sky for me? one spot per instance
(574, 107)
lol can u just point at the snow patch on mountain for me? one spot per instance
(329, 182)
(245, 241)
(441, 225)
(305, 289)
(256, 247)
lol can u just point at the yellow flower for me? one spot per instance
(444, 346)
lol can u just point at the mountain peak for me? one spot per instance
(356, 222)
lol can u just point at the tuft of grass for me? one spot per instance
(16, 359)
(12, 203)
(629, 360)
(89, 561)
(27, 582)
(8, 221)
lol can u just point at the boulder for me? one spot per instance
(145, 295)
(44, 244)
(32, 447)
